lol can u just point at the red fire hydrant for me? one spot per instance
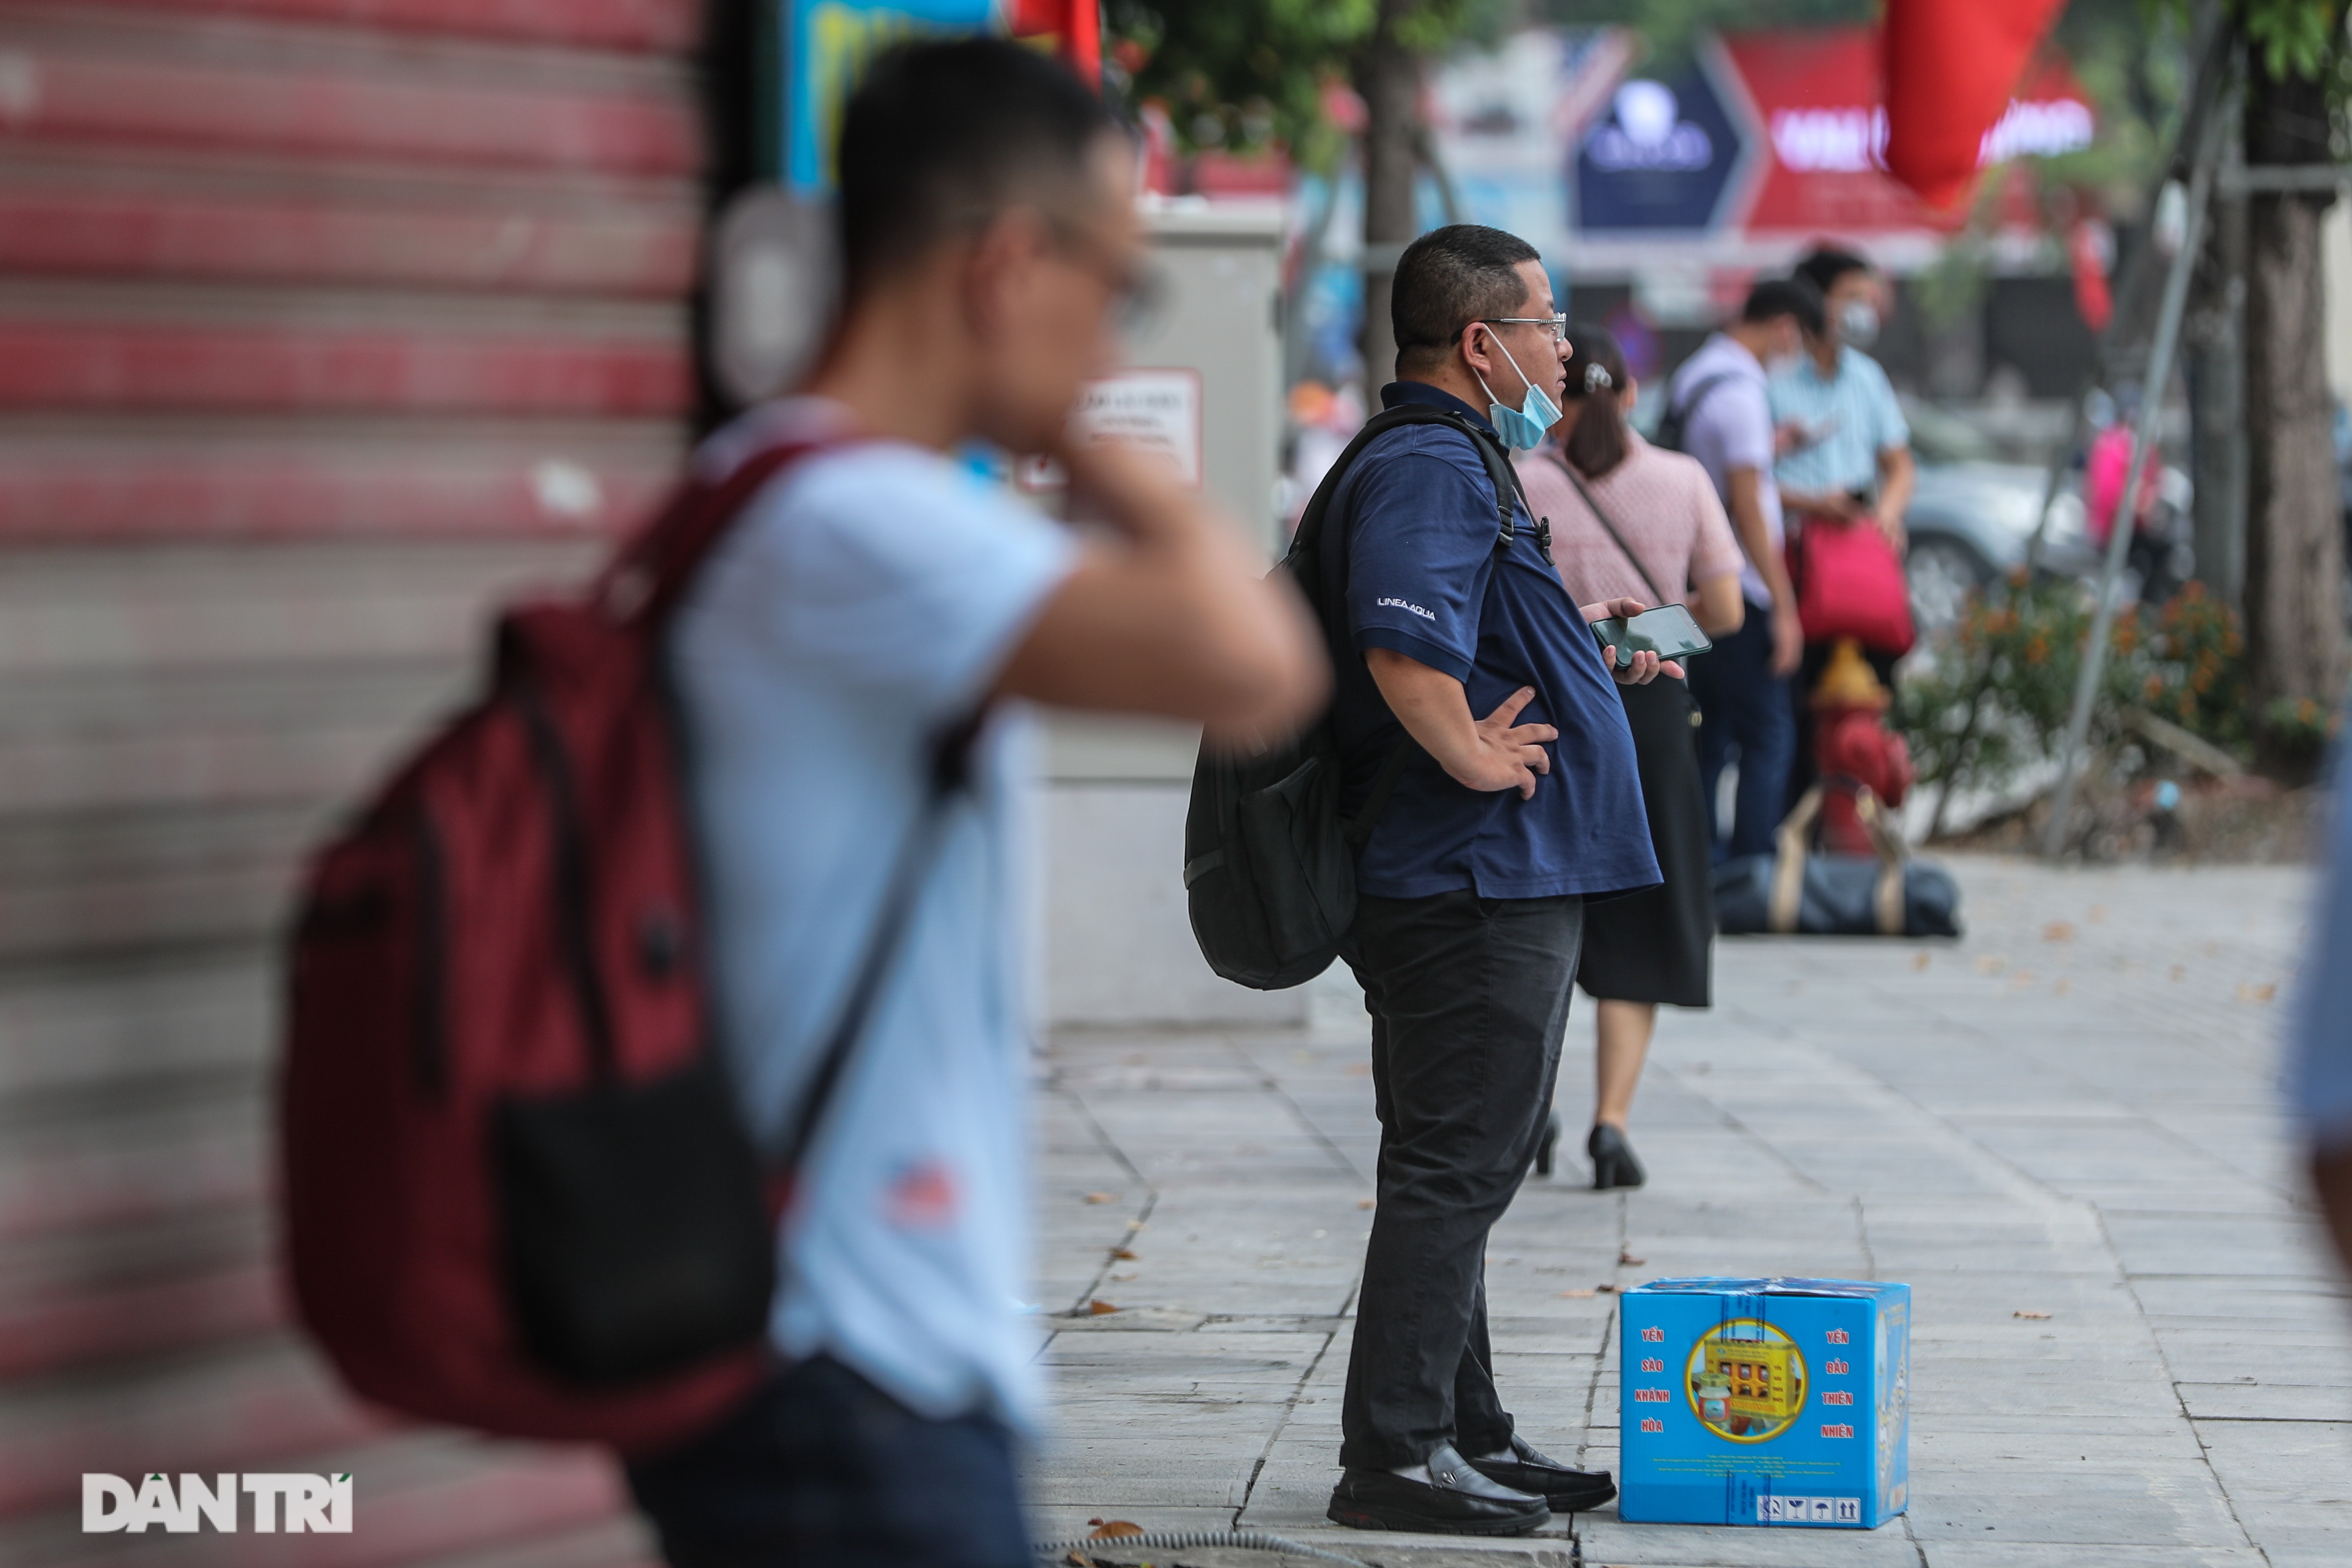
(1851, 739)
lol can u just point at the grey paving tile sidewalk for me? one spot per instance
(2072, 1112)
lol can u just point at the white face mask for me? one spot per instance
(1522, 429)
(1858, 323)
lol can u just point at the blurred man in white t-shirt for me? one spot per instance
(1720, 402)
(869, 600)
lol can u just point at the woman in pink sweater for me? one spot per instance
(1631, 520)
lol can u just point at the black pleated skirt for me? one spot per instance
(1657, 946)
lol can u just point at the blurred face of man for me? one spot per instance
(1044, 289)
(1854, 308)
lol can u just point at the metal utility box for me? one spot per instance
(1204, 386)
(1221, 319)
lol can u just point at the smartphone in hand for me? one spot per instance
(1668, 631)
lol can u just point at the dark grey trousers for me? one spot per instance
(1469, 999)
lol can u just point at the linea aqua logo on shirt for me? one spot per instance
(316, 1505)
(1406, 604)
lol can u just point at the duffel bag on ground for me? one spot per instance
(1797, 891)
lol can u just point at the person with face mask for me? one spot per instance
(1470, 683)
(1846, 447)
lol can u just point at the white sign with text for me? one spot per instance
(1154, 411)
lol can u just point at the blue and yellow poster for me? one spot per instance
(825, 44)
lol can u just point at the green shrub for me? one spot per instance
(1995, 693)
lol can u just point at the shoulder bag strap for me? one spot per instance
(1889, 904)
(1780, 910)
(1608, 526)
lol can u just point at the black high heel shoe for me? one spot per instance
(1544, 1148)
(1613, 1164)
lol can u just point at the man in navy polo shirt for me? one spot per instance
(1474, 882)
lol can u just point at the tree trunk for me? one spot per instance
(1388, 78)
(2295, 547)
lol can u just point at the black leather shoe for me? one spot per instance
(1544, 1147)
(1566, 1490)
(1456, 1500)
(1613, 1164)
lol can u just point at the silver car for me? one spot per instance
(1971, 522)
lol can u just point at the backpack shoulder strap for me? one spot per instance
(950, 767)
(1332, 570)
(1676, 423)
(652, 572)
(1505, 479)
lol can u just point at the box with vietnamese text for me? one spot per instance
(1764, 1402)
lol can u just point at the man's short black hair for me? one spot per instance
(1448, 278)
(1776, 296)
(1825, 263)
(944, 134)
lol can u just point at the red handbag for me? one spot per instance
(1850, 583)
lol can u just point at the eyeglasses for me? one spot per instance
(1138, 291)
(1559, 324)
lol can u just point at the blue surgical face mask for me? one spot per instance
(1522, 429)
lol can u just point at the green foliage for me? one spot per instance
(1240, 74)
(1672, 29)
(2294, 37)
(2299, 729)
(2000, 690)
(1245, 75)
(2132, 58)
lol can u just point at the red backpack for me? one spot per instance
(518, 1195)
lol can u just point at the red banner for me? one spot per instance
(1819, 104)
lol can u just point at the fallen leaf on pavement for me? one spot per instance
(1920, 962)
(1363, 1203)
(2257, 993)
(1121, 1252)
(1606, 1290)
(1625, 1259)
(1102, 1197)
(1112, 1530)
(2058, 931)
(1078, 1560)
(1098, 1307)
(2024, 1312)
(1578, 1295)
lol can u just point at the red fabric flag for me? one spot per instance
(1074, 26)
(1951, 66)
(2088, 249)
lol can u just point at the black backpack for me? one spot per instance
(1673, 426)
(1269, 866)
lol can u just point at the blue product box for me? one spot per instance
(1764, 1402)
